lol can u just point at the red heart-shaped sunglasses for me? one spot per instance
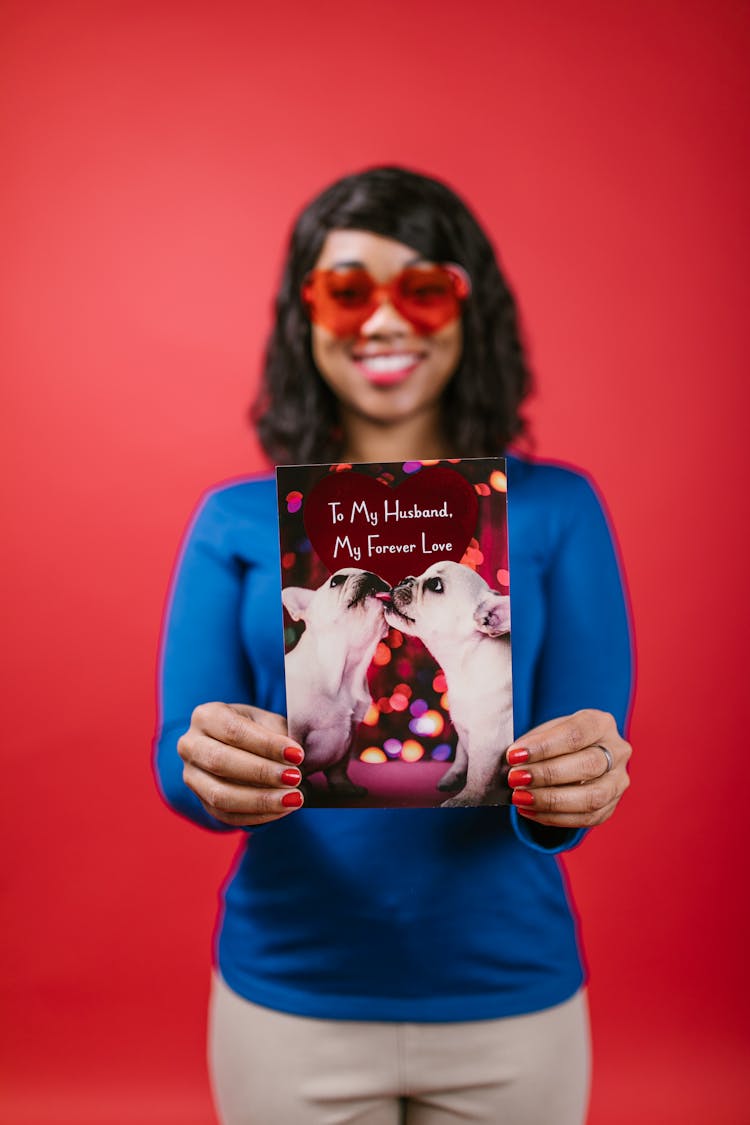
(428, 296)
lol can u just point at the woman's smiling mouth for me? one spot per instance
(386, 368)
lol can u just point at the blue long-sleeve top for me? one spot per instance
(397, 914)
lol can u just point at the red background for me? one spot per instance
(154, 154)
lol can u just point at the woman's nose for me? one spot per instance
(385, 320)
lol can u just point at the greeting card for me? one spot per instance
(395, 589)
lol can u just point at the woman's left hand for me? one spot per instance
(569, 772)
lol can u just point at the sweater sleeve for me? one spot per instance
(586, 658)
(201, 658)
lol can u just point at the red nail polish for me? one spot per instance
(292, 800)
(294, 755)
(519, 777)
(291, 777)
(515, 757)
(522, 797)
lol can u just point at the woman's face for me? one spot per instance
(388, 372)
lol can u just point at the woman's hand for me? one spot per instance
(241, 763)
(569, 772)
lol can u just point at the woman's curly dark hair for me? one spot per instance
(296, 413)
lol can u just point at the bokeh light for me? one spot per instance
(372, 715)
(503, 577)
(412, 466)
(399, 702)
(482, 489)
(440, 684)
(418, 707)
(499, 481)
(392, 747)
(412, 751)
(473, 557)
(382, 655)
(431, 723)
(441, 752)
(373, 755)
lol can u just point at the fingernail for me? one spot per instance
(517, 777)
(292, 800)
(291, 777)
(294, 755)
(522, 797)
(515, 757)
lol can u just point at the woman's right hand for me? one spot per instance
(241, 763)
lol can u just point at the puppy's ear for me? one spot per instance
(492, 615)
(296, 599)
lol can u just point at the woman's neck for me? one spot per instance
(412, 439)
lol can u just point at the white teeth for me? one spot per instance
(388, 364)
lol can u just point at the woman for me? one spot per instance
(382, 965)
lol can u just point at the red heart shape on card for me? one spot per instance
(393, 530)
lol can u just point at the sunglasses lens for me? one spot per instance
(427, 297)
(340, 300)
(348, 289)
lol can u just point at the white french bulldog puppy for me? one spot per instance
(466, 626)
(326, 671)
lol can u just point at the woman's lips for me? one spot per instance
(386, 368)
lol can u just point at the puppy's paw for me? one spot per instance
(347, 789)
(457, 803)
(451, 782)
(311, 793)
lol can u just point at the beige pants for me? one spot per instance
(271, 1068)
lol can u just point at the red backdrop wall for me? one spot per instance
(154, 154)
